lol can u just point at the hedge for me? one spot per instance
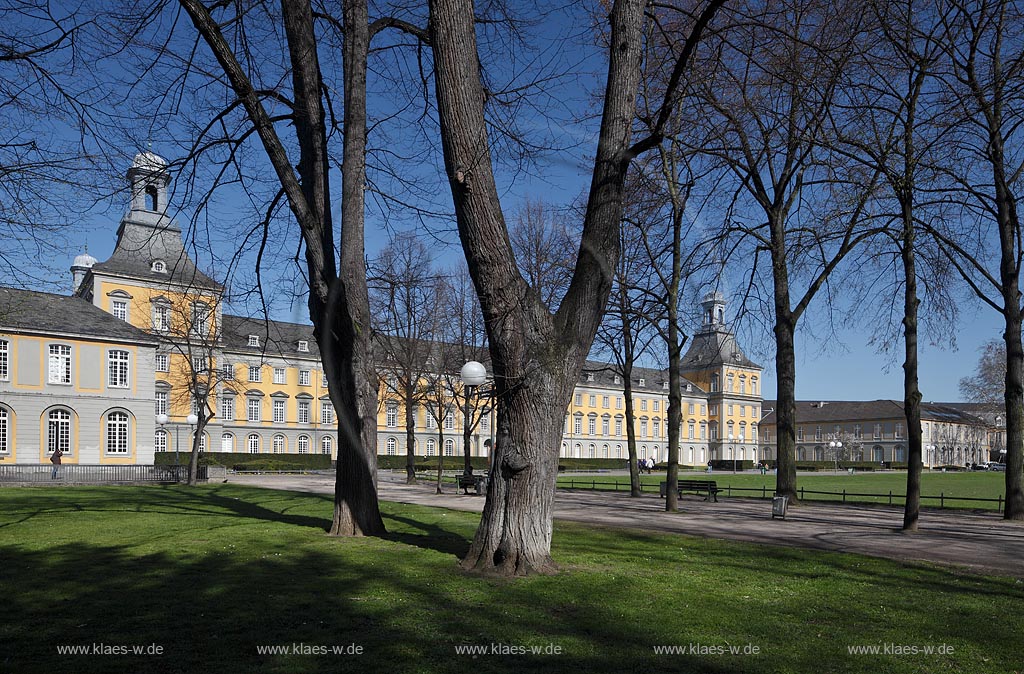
(245, 461)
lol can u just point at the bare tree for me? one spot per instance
(984, 46)
(46, 126)
(406, 298)
(335, 271)
(765, 91)
(986, 385)
(537, 355)
(544, 249)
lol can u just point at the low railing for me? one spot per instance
(765, 492)
(95, 474)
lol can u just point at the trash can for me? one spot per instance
(779, 505)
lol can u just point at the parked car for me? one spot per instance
(1001, 467)
(982, 465)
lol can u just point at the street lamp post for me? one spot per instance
(473, 374)
(929, 454)
(732, 453)
(836, 446)
(191, 420)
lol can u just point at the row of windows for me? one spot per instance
(59, 360)
(730, 384)
(59, 430)
(254, 409)
(391, 419)
(253, 443)
(391, 447)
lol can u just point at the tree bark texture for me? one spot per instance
(911, 390)
(785, 366)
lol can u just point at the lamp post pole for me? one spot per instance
(835, 446)
(473, 375)
(732, 453)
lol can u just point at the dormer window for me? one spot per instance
(664, 386)
(590, 376)
(643, 382)
(254, 340)
(617, 380)
(303, 346)
(159, 266)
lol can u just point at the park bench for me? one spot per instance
(709, 487)
(477, 482)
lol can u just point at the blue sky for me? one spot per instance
(840, 368)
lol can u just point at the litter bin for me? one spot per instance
(779, 505)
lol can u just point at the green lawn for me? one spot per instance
(211, 574)
(989, 485)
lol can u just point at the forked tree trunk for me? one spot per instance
(514, 537)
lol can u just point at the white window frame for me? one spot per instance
(200, 319)
(326, 445)
(252, 443)
(160, 440)
(253, 409)
(118, 368)
(118, 433)
(161, 318)
(162, 399)
(162, 363)
(280, 375)
(254, 340)
(391, 416)
(59, 364)
(279, 413)
(302, 412)
(326, 412)
(255, 374)
(277, 444)
(119, 309)
(5, 425)
(227, 408)
(304, 378)
(303, 346)
(303, 444)
(5, 359)
(227, 442)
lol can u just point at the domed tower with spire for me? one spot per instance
(717, 364)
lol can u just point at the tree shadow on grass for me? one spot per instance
(433, 537)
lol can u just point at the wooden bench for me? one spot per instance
(709, 487)
(477, 482)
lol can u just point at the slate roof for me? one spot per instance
(276, 337)
(140, 243)
(812, 411)
(30, 311)
(604, 377)
(714, 347)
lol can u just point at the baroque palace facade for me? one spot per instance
(147, 327)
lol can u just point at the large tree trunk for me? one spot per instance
(911, 391)
(410, 431)
(356, 511)
(785, 367)
(536, 357)
(193, 459)
(1014, 405)
(635, 488)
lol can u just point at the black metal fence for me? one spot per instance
(764, 492)
(85, 474)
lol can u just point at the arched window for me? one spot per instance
(227, 442)
(278, 444)
(303, 444)
(431, 447)
(577, 451)
(743, 384)
(5, 442)
(643, 451)
(160, 441)
(117, 433)
(729, 383)
(58, 431)
(604, 451)
(254, 443)
(326, 445)
(618, 451)
(152, 198)
(753, 386)
(565, 448)
(449, 448)
(592, 450)
(392, 446)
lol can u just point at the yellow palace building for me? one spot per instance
(144, 332)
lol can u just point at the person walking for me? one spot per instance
(55, 460)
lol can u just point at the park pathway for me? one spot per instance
(982, 542)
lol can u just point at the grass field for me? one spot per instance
(212, 574)
(944, 488)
